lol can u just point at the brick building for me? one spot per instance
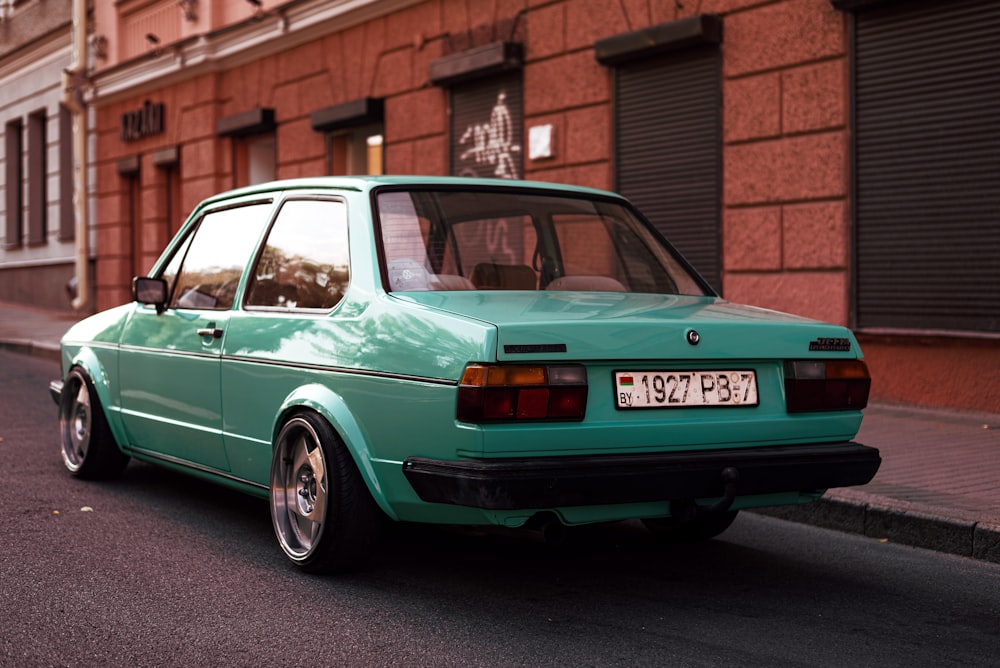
(832, 158)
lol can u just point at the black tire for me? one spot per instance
(324, 517)
(701, 527)
(89, 450)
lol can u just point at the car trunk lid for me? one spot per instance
(614, 326)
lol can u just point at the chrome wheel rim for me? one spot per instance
(299, 489)
(75, 424)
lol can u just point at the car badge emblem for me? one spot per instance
(693, 337)
(828, 344)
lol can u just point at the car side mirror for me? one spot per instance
(150, 291)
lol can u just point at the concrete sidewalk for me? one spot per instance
(938, 487)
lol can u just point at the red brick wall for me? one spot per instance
(786, 209)
(785, 223)
(935, 371)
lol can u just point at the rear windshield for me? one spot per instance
(511, 240)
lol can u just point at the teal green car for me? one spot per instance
(456, 351)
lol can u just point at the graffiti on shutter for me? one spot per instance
(487, 129)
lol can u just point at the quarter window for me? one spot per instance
(211, 270)
(305, 261)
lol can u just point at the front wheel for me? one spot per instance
(89, 450)
(701, 527)
(323, 515)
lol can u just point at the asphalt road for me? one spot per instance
(158, 569)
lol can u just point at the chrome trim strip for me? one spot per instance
(167, 351)
(343, 370)
(149, 454)
(293, 365)
(91, 344)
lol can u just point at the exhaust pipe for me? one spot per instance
(544, 528)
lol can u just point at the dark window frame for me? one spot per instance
(67, 179)
(38, 177)
(14, 188)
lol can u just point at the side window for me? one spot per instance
(169, 273)
(216, 255)
(305, 260)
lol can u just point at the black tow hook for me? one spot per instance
(730, 476)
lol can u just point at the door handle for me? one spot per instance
(214, 332)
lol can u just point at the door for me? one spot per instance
(170, 362)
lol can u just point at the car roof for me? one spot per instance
(367, 183)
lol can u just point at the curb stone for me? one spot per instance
(986, 542)
(34, 348)
(899, 522)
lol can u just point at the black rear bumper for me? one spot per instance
(550, 482)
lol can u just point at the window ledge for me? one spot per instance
(673, 36)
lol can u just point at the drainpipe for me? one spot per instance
(73, 99)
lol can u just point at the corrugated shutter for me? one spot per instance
(668, 149)
(487, 128)
(927, 150)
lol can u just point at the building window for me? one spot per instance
(926, 132)
(67, 212)
(13, 189)
(668, 132)
(355, 152)
(128, 170)
(37, 178)
(354, 135)
(168, 162)
(257, 159)
(255, 149)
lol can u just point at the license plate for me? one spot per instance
(679, 389)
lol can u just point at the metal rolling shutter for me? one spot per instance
(927, 153)
(487, 128)
(668, 149)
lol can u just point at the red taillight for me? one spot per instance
(509, 393)
(826, 385)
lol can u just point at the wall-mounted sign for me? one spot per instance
(143, 122)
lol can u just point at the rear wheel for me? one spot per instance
(324, 517)
(701, 527)
(89, 450)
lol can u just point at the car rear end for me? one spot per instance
(596, 408)
(621, 385)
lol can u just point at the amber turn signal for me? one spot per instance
(515, 392)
